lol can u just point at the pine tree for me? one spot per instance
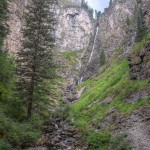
(35, 61)
(141, 25)
(3, 16)
(102, 58)
(110, 2)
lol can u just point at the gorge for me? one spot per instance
(102, 97)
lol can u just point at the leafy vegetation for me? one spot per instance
(15, 130)
(141, 25)
(70, 56)
(102, 58)
(141, 44)
(84, 5)
(102, 140)
(3, 17)
(89, 111)
(36, 68)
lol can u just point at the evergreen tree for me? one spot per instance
(35, 61)
(102, 58)
(86, 7)
(110, 2)
(141, 25)
(128, 20)
(97, 14)
(3, 16)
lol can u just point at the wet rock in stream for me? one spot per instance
(59, 135)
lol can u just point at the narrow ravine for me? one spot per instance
(59, 135)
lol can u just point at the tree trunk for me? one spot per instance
(29, 113)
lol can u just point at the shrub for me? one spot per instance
(4, 145)
(118, 143)
(98, 140)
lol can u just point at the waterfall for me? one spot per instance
(80, 80)
(90, 58)
(91, 55)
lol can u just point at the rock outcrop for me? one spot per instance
(117, 31)
(117, 26)
(74, 29)
(140, 63)
(15, 23)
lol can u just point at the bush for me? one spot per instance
(104, 141)
(4, 145)
(98, 140)
(17, 133)
(118, 143)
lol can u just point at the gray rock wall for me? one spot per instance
(113, 27)
(74, 29)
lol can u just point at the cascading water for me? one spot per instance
(92, 48)
(91, 55)
(80, 80)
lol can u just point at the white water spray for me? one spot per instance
(91, 55)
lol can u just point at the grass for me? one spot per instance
(103, 140)
(141, 44)
(70, 56)
(115, 82)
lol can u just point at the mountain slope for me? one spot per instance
(116, 103)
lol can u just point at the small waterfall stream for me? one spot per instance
(91, 55)
(97, 29)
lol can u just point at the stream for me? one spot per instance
(59, 135)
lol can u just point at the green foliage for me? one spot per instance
(102, 58)
(110, 2)
(36, 68)
(98, 140)
(128, 21)
(141, 25)
(70, 56)
(103, 140)
(4, 145)
(16, 133)
(141, 44)
(6, 76)
(3, 17)
(84, 5)
(115, 82)
(118, 143)
(97, 14)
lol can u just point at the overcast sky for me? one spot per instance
(98, 4)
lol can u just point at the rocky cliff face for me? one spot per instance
(140, 63)
(74, 29)
(15, 23)
(113, 26)
(117, 30)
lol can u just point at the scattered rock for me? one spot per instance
(141, 95)
(106, 101)
(61, 136)
(140, 63)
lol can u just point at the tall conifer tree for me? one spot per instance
(141, 25)
(35, 61)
